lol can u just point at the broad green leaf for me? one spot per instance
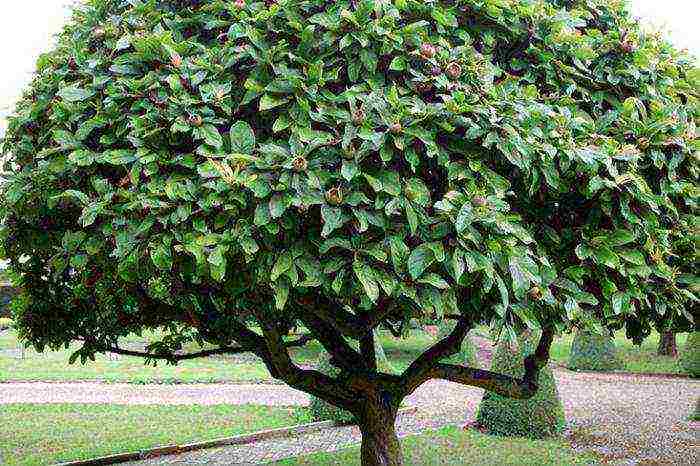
(75, 94)
(420, 259)
(366, 277)
(242, 138)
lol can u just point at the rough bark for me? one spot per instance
(667, 344)
(380, 444)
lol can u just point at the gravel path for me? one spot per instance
(626, 420)
(130, 394)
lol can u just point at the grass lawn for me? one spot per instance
(39, 434)
(453, 446)
(53, 365)
(641, 359)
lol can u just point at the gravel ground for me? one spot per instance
(626, 420)
(131, 394)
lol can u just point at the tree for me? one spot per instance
(225, 172)
(667, 344)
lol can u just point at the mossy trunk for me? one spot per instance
(380, 444)
(667, 344)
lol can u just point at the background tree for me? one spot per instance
(226, 171)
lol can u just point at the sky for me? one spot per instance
(27, 27)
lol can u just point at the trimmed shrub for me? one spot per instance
(5, 323)
(467, 353)
(690, 356)
(593, 352)
(695, 415)
(541, 416)
(322, 411)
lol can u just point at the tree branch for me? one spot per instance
(303, 340)
(349, 324)
(368, 351)
(281, 366)
(503, 385)
(419, 371)
(342, 354)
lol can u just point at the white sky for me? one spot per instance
(26, 28)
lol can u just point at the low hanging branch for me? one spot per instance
(504, 385)
(303, 340)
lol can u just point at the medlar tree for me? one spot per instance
(225, 172)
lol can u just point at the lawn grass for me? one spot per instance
(638, 359)
(453, 446)
(40, 434)
(53, 365)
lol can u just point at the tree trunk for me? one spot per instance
(667, 344)
(380, 445)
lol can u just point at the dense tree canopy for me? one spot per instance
(227, 170)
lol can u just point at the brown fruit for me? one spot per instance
(427, 51)
(535, 293)
(454, 70)
(299, 164)
(240, 4)
(396, 128)
(196, 120)
(334, 196)
(479, 201)
(358, 116)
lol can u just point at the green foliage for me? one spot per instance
(593, 352)
(538, 417)
(5, 323)
(177, 164)
(695, 415)
(690, 355)
(322, 411)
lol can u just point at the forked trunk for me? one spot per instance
(380, 445)
(667, 344)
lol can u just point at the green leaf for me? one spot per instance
(269, 101)
(161, 257)
(417, 192)
(366, 277)
(420, 259)
(281, 289)
(242, 138)
(435, 280)
(75, 94)
(283, 264)
(464, 217)
(607, 257)
(82, 157)
(217, 261)
(398, 64)
(211, 135)
(620, 237)
(332, 219)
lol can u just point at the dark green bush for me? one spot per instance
(593, 352)
(690, 356)
(538, 417)
(322, 411)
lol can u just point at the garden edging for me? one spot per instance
(235, 440)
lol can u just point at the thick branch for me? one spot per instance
(332, 341)
(368, 352)
(503, 385)
(349, 324)
(419, 371)
(281, 366)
